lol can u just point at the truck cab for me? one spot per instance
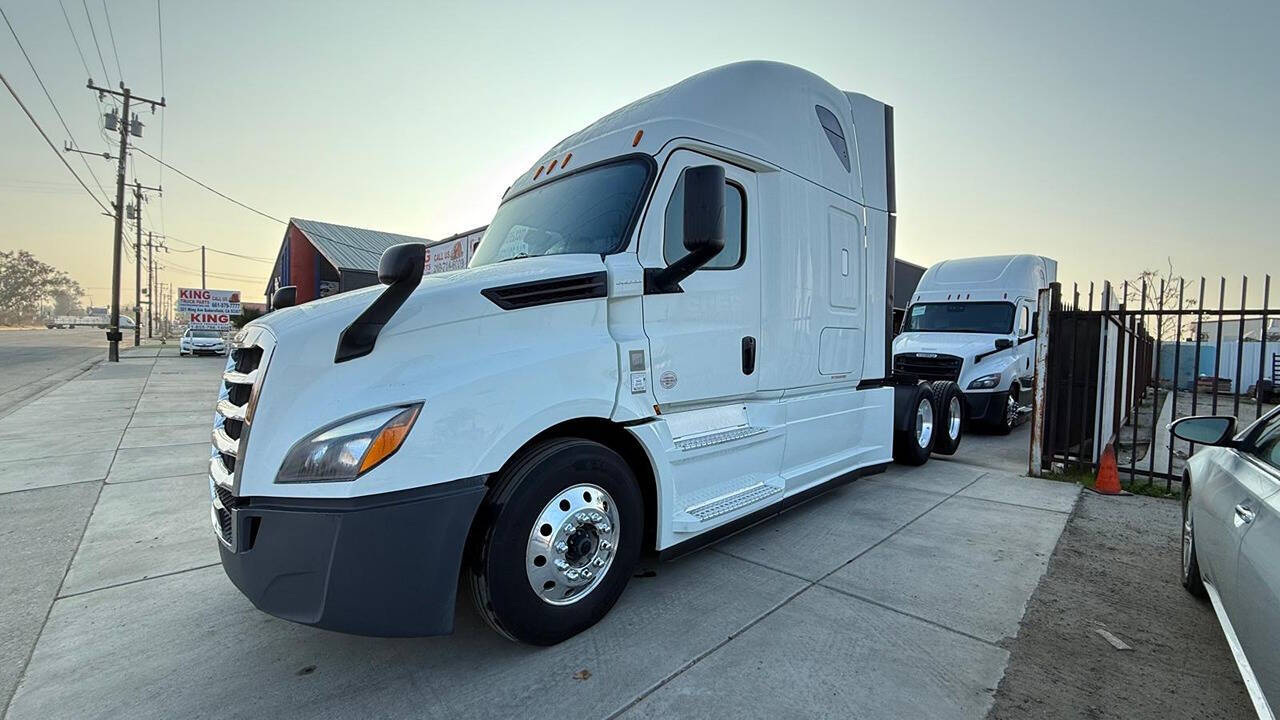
(972, 321)
(675, 325)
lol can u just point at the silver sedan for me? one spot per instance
(1231, 540)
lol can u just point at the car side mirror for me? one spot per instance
(1205, 429)
(1003, 343)
(703, 225)
(284, 297)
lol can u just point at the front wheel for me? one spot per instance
(1191, 579)
(559, 539)
(1009, 413)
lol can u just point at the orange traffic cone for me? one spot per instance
(1108, 480)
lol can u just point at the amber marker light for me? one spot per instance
(565, 162)
(389, 438)
(636, 140)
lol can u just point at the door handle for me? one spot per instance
(748, 355)
(1244, 515)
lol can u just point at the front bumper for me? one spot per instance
(384, 565)
(206, 350)
(985, 406)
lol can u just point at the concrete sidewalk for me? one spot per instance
(895, 596)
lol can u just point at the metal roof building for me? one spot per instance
(322, 259)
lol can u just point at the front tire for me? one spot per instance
(1008, 419)
(559, 538)
(1191, 579)
(913, 444)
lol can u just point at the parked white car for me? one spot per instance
(202, 342)
(1231, 540)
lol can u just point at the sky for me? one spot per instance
(1114, 137)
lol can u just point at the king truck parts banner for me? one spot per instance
(209, 321)
(199, 300)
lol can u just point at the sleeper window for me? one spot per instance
(735, 237)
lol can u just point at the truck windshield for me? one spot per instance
(971, 317)
(585, 212)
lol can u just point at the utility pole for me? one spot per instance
(151, 296)
(202, 285)
(137, 256)
(127, 125)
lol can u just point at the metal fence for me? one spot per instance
(1117, 374)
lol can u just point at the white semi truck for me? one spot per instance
(972, 321)
(675, 325)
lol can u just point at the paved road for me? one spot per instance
(35, 360)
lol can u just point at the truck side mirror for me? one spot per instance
(1003, 343)
(284, 297)
(403, 262)
(703, 226)
(400, 269)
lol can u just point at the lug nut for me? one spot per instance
(561, 565)
(562, 547)
(605, 544)
(586, 574)
(599, 562)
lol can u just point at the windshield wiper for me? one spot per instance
(517, 256)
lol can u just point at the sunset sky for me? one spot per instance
(1107, 135)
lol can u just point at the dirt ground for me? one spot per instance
(1116, 566)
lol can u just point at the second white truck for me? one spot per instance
(972, 321)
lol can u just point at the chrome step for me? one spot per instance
(717, 438)
(729, 502)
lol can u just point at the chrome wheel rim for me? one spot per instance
(1187, 535)
(953, 417)
(572, 544)
(1011, 411)
(924, 422)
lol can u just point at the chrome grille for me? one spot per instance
(246, 364)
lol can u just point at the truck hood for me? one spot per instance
(439, 299)
(965, 345)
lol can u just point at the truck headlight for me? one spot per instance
(345, 451)
(986, 382)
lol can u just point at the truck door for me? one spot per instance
(704, 341)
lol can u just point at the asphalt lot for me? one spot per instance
(34, 360)
(896, 596)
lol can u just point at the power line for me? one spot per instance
(52, 147)
(54, 105)
(253, 209)
(94, 33)
(112, 33)
(215, 250)
(160, 35)
(228, 198)
(65, 16)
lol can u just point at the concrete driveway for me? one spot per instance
(895, 596)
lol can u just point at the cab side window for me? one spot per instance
(1024, 321)
(735, 235)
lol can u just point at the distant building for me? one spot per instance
(323, 259)
(1208, 329)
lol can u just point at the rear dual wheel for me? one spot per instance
(950, 416)
(913, 441)
(559, 538)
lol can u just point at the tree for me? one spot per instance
(1149, 296)
(26, 284)
(246, 315)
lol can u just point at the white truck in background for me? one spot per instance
(677, 324)
(972, 321)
